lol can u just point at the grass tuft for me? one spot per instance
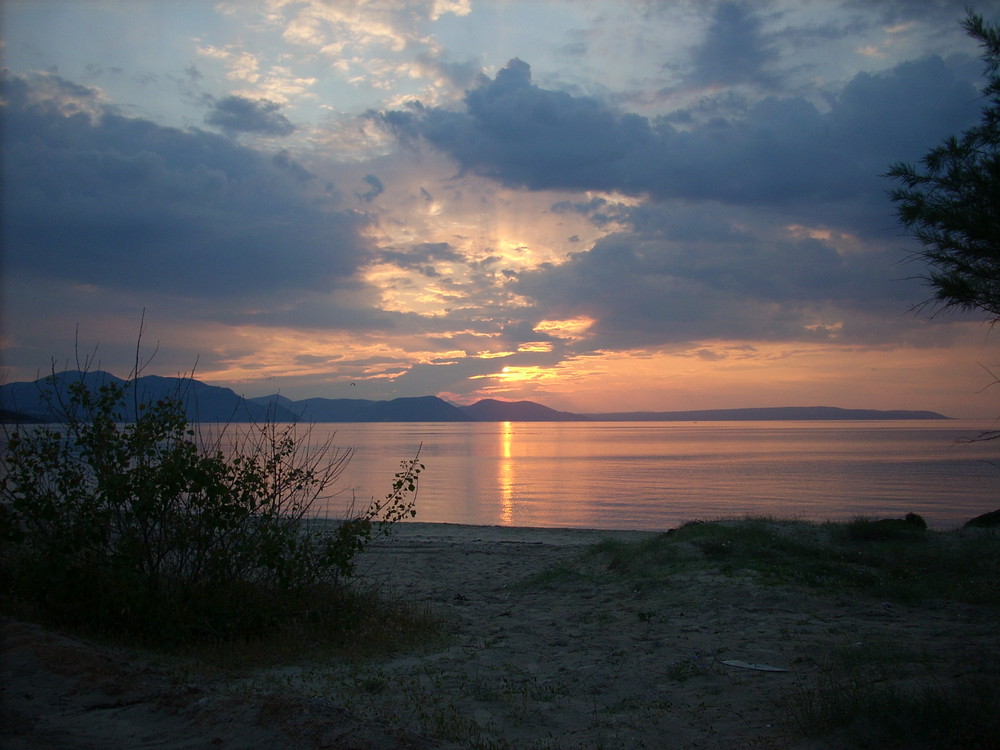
(352, 624)
(900, 560)
(863, 714)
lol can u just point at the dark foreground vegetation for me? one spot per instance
(125, 521)
(127, 524)
(864, 697)
(892, 559)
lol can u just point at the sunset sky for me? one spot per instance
(600, 205)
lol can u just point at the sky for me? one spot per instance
(599, 205)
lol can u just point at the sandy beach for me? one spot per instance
(544, 649)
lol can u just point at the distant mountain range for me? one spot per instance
(763, 413)
(417, 409)
(39, 401)
(491, 410)
(28, 402)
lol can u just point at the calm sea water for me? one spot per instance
(657, 475)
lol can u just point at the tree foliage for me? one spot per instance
(951, 205)
(129, 520)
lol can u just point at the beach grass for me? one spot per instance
(876, 694)
(893, 561)
(858, 704)
(349, 624)
(884, 632)
(866, 695)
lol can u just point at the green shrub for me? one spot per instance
(857, 712)
(899, 560)
(912, 526)
(128, 521)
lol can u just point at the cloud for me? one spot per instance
(783, 150)
(465, 374)
(236, 114)
(99, 198)
(524, 136)
(734, 49)
(680, 274)
(422, 257)
(374, 43)
(461, 75)
(375, 188)
(283, 160)
(458, 7)
(940, 13)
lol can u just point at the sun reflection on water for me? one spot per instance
(505, 474)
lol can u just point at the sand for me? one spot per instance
(542, 652)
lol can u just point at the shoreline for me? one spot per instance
(472, 533)
(546, 645)
(582, 535)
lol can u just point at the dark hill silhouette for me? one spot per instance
(415, 409)
(763, 414)
(26, 402)
(204, 403)
(491, 410)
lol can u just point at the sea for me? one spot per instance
(658, 475)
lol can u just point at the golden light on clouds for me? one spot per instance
(740, 374)
(870, 50)
(518, 374)
(253, 354)
(391, 215)
(458, 7)
(816, 233)
(493, 355)
(572, 329)
(409, 291)
(535, 346)
(842, 241)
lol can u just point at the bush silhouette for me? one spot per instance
(126, 520)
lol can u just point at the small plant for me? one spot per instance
(910, 527)
(860, 712)
(125, 520)
(681, 670)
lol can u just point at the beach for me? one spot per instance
(545, 647)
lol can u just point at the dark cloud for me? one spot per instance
(461, 75)
(522, 135)
(237, 114)
(697, 273)
(943, 13)
(783, 150)
(98, 198)
(421, 255)
(284, 160)
(354, 309)
(600, 211)
(375, 188)
(463, 374)
(734, 49)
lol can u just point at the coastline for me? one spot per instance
(492, 534)
(547, 645)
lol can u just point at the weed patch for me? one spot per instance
(862, 713)
(123, 522)
(897, 561)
